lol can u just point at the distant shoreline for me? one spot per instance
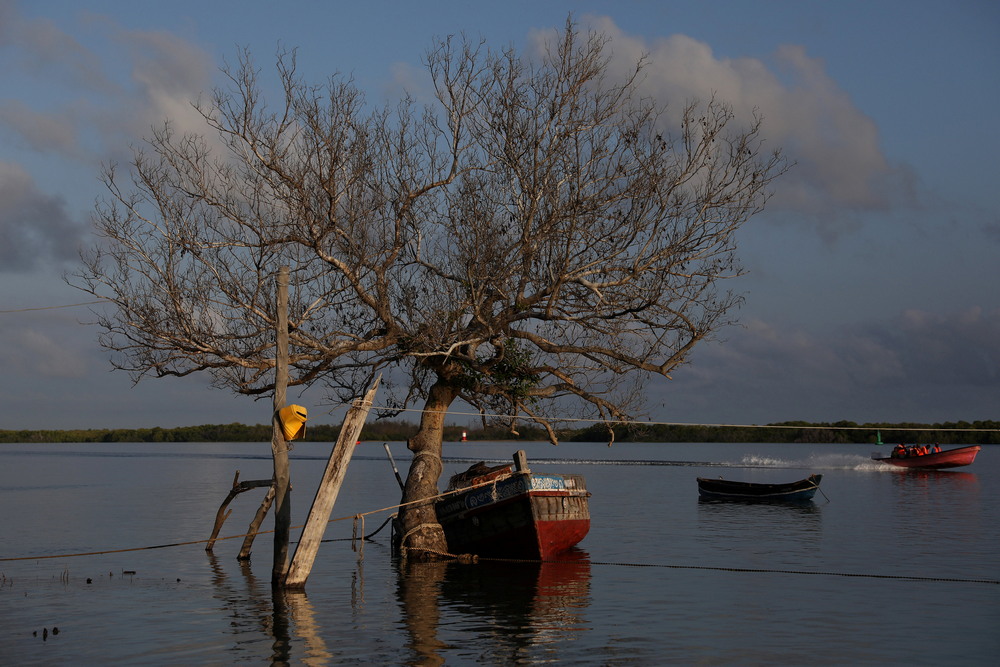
(843, 432)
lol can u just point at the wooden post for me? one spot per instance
(221, 516)
(254, 528)
(329, 487)
(279, 448)
(520, 461)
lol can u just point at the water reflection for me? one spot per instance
(419, 592)
(807, 514)
(245, 600)
(960, 485)
(258, 610)
(754, 534)
(512, 610)
(296, 605)
(941, 499)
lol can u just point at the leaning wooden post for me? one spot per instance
(258, 519)
(279, 448)
(238, 488)
(329, 487)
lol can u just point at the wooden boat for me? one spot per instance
(723, 489)
(951, 458)
(509, 511)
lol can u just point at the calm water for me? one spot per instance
(883, 567)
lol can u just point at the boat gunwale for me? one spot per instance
(934, 460)
(729, 489)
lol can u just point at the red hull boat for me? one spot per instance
(952, 458)
(511, 512)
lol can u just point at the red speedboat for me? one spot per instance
(952, 458)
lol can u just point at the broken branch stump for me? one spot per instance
(222, 514)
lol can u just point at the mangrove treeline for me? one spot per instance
(949, 433)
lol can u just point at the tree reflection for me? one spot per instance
(515, 610)
(256, 608)
(493, 611)
(294, 605)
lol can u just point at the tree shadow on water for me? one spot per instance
(493, 611)
(286, 617)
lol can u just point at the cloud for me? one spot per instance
(875, 372)
(991, 229)
(99, 90)
(168, 74)
(950, 350)
(35, 228)
(39, 131)
(43, 50)
(34, 353)
(63, 100)
(839, 162)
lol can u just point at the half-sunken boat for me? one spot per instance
(508, 511)
(724, 489)
(912, 457)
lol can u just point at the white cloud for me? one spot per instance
(82, 96)
(835, 145)
(44, 50)
(168, 74)
(65, 100)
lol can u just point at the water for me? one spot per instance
(883, 567)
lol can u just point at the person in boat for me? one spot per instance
(898, 452)
(937, 449)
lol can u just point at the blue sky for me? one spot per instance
(871, 287)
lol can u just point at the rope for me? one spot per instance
(420, 526)
(259, 532)
(474, 558)
(377, 530)
(628, 422)
(68, 305)
(426, 454)
(571, 419)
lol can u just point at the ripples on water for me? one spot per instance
(662, 578)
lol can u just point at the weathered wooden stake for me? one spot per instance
(279, 448)
(221, 516)
(254, 528)
(329, 487)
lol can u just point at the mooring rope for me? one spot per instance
(259, 532)
(478, 559)
(472, 558)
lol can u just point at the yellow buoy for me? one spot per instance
(293, 421)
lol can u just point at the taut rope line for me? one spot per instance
(259, 532)
(749, 570)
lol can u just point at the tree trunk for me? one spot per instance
(279, 447)
(422, 536)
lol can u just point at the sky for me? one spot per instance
(871, 278)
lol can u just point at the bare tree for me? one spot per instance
(537, 242)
